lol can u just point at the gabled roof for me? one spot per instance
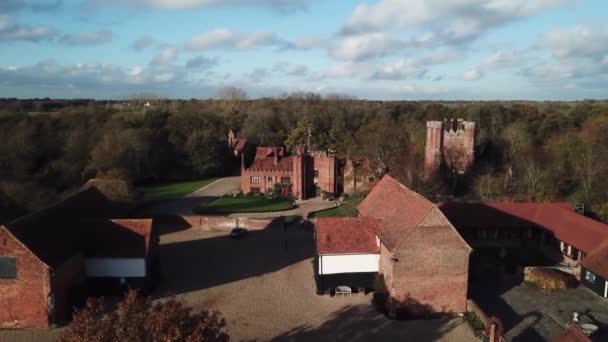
(117, 238)
(346, 235)
(597, 260)
(399, 208)
(579, 231)
(54, 235)
(240, 145)
(266, 160)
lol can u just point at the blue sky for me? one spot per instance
(387, 49)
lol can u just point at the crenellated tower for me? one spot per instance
(451, 142)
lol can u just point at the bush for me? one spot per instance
(550, 279)
(137, 319)
(475, 322)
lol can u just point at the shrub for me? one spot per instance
(475, 322)
(550, 279)
(137, 319)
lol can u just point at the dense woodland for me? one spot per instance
(525, 150)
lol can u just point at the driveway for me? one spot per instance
(264, 287)
(204, 195)
(304, 208)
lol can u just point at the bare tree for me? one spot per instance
(233, 98)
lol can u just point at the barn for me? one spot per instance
(348, 253)
(52, 259)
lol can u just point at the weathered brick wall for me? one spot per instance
(23, 300)
(67, 284)
(225, 223)
(326, 166)
(386, 266)
(264, 184)
(432, 270)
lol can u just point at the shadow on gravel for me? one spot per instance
(200, 264)
(364, 323)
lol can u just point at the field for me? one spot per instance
(229, 205)
(167, 191)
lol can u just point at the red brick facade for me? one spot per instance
(450, 142)
(23, 300)
(302, 173)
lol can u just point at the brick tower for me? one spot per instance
(450, 142)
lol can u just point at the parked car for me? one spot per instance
(238, 233)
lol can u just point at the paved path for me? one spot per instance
(303, 209)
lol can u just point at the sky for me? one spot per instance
(379, 50)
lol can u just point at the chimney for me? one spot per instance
(275, 151)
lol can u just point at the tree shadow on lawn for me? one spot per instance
(365, 323)
(203, 263)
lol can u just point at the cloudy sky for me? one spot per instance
(386, 49)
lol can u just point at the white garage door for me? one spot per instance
(348, 263)
(115, 267)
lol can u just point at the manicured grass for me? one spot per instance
(229, 205)
(167, 191)
(347, 209)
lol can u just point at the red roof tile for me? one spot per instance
(283, 164)
(597, 261)
(399, 208)
(240, 144)
(117, 238)
(579, 231)
(572, 334)
(346, 235)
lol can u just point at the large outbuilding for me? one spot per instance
(52, 259)
(407, 241)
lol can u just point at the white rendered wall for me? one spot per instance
(348, 263)
(115, 267)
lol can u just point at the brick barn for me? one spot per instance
(52, 259)
(303, 175)
(553, 228)
(420, 256)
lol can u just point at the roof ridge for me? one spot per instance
(24, 246)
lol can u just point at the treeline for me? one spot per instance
(525, 150)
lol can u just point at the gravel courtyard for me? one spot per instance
(264, 286)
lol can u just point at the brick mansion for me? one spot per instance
(303, 175)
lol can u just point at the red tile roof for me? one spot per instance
(399, 208)
(579, 231)
(240, 144)
(347, 235)
(117, 238)
(597, 260)
(267, 164)
(572, 334)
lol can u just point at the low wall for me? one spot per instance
(200, 222)
(473, 307)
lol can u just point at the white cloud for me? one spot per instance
(288, 69)
(361, 47)
(463, 17)
(226, 38)
(399, 70)
(166, 56)
(33, 5)
(280, 5)
(16, 32)
(579, 41)
(472, 74)
(87, 38)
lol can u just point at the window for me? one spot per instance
(286, 180)
(316, 173)
(8, 268)
(255, 179)
(255, 190)
(590, 277)
(269, 178)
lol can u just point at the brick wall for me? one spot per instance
(224, 223)
(432, 270)
(264, 184)
(23, 300)
(326, 167)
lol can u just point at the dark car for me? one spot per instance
(238, 233)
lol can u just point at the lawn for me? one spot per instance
(229, 205)
(167, 191)
(347, 209)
